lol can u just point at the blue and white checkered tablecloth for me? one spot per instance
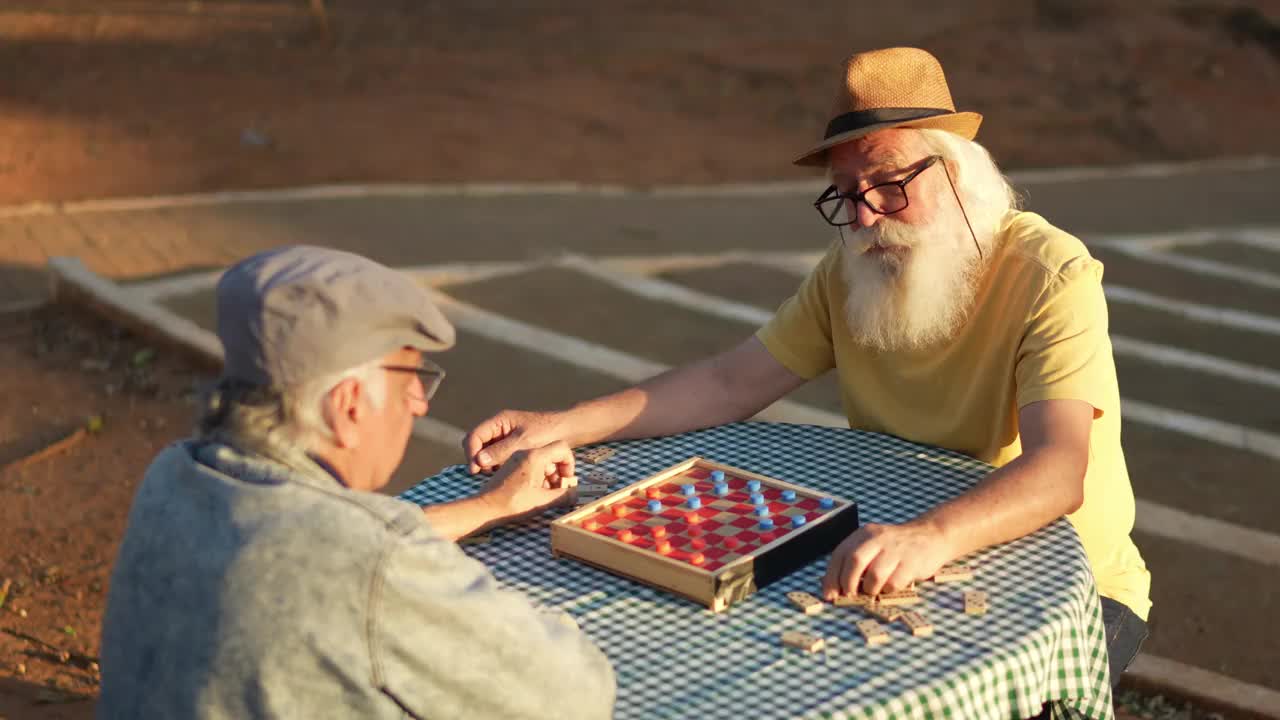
(1042, 638)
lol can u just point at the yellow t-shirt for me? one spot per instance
(1038, 331)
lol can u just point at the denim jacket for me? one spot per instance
(248, 588)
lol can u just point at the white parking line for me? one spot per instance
(1224, 537)
(1210, 314)
(1189, 360)
(1215, 431)
(1202, 266)
(598, 358)
(1267, 238)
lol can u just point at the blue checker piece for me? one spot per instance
(766, 524)
(757, 499)
(788, 495)
(753, 485)
(655, 506)
(797, 521)
(694, 502)
(717, 476)
(688, 489)
(761, 511)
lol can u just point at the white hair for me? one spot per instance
(281, 422)
(986, 192)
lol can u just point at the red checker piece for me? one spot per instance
(732, 543)
(626, 536)
(591, 524)
(658, 531)
(692, 517)
(664, 547)
(695, 532)
(698, 544)
(654, 492)
(620, 510)
(697, 558)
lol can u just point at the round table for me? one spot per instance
(1041, 640)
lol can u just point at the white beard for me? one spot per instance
(915, 295)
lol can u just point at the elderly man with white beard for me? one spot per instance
(951, 318)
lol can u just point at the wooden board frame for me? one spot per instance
(724, 586)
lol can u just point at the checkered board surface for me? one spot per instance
(724, 529)
(1041, 639)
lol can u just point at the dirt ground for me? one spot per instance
(131, 97)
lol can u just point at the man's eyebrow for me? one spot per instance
(881, 170)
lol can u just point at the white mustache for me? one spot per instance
(886, 235)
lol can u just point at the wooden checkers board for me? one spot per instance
(706, 531)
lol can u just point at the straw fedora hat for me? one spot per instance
(894, 87)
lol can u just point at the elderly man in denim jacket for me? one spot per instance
(260, 577)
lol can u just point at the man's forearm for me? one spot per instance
(1019, 498)
(460, 518)
(686, 398)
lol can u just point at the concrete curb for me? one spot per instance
(75, 284)
(1211, 690)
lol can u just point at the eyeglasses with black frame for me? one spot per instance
(839, 209)
(429, 374)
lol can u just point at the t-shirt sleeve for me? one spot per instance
(799, 333)
(1066, 353)
(447, 641)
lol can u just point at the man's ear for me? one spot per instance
(343, 412)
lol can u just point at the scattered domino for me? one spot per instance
(597, 455)
(568, 482)
(916, 621)
(975, 602)
(887, 613)
(953, 573)
(802, 641)
(601, 477)
(909, 596)
(588, 492)
(873, 632)
(807, 603)
(852, 601)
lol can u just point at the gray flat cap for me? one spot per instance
(298, 313)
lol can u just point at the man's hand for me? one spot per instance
(531, 482)
(494, 441)
(881, 558)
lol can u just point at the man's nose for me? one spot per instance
(865, 216)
